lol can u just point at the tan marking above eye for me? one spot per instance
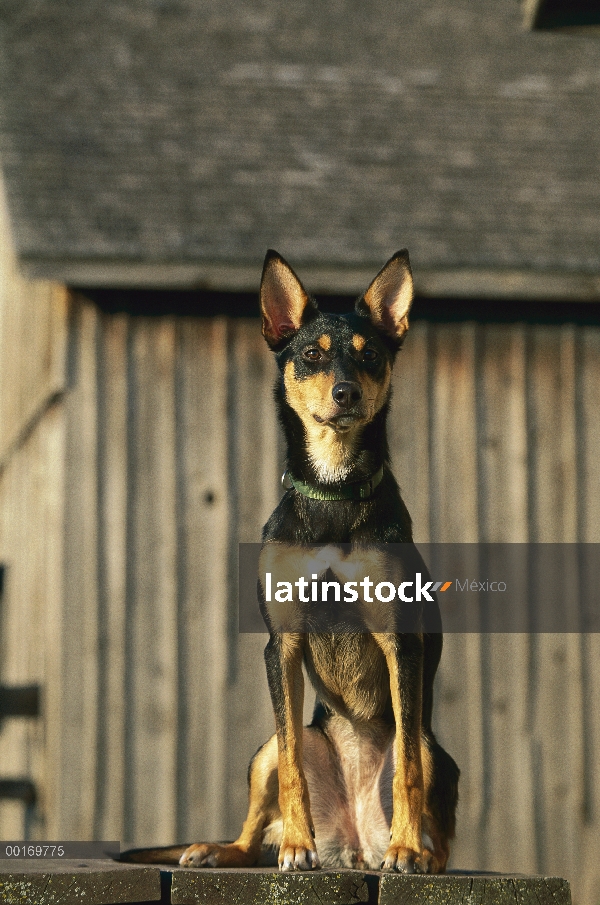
(358, 342)
(325, 342)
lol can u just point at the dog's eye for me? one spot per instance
(370, 355)
(312, 354)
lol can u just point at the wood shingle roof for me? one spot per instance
(170, 141)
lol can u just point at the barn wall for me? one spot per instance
(172, 456)
(33, 317)
(30, 613)
(504, 423)
(171, 460)
(33, 331)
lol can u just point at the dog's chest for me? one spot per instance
(349, 673)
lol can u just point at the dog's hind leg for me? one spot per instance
(263, 809)
(440, 775)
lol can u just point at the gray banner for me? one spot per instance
(60, 851)
(425, 587)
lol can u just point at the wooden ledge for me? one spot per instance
(33, 882)
(266, 886)
(473, 889)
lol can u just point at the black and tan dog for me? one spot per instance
(366, 784)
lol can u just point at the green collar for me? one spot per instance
(359, 490)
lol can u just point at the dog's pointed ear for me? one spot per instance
(388, 299)
(284, 303)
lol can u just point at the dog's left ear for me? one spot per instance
(388, 299)
(284, 303)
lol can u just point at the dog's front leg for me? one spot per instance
(404, 657)
(283, 657)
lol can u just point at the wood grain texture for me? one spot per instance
(27, 882)
(120, 516)
(80, 661)
(267, 887)
(112, 780)
(33, 334)
(409, 427)
(152, 580)
(204, 592)
(483, 890)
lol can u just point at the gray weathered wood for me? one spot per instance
(408, 427)
(166, 452)
(475, 890)
(33, 336)
(113, 415)
(30, 882)
(268, 887)
(152, 606)
(204, 593)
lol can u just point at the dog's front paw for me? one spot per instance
(210, 854)
(298, 857)
(406, 861)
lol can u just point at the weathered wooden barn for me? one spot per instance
(151, 151)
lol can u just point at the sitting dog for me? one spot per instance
(366, 785)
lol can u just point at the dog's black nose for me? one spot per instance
(346, 394)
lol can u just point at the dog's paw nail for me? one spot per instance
(287, 863)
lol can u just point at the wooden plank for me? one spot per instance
(454, 518)
(270, 887)
(255, 489)
(588, 434)
(503, 512)
(587, 878)
(494, 889)
(33, 360)
(152, 584)
(30, 882)
(551, 417)
(79, 715)
(28, 603)
(113, 417)
(587, 881)
(33, 334)
(349, 887)
(558, 723)
(454, 485)
(51, 597)
(502, 435)
(204, 516)
(409, 427)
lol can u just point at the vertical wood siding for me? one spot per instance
(507, 451)
(172, 456)
(30, 612)
(33, 332)
(32, 344)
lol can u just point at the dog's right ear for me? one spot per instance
(284, 303)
